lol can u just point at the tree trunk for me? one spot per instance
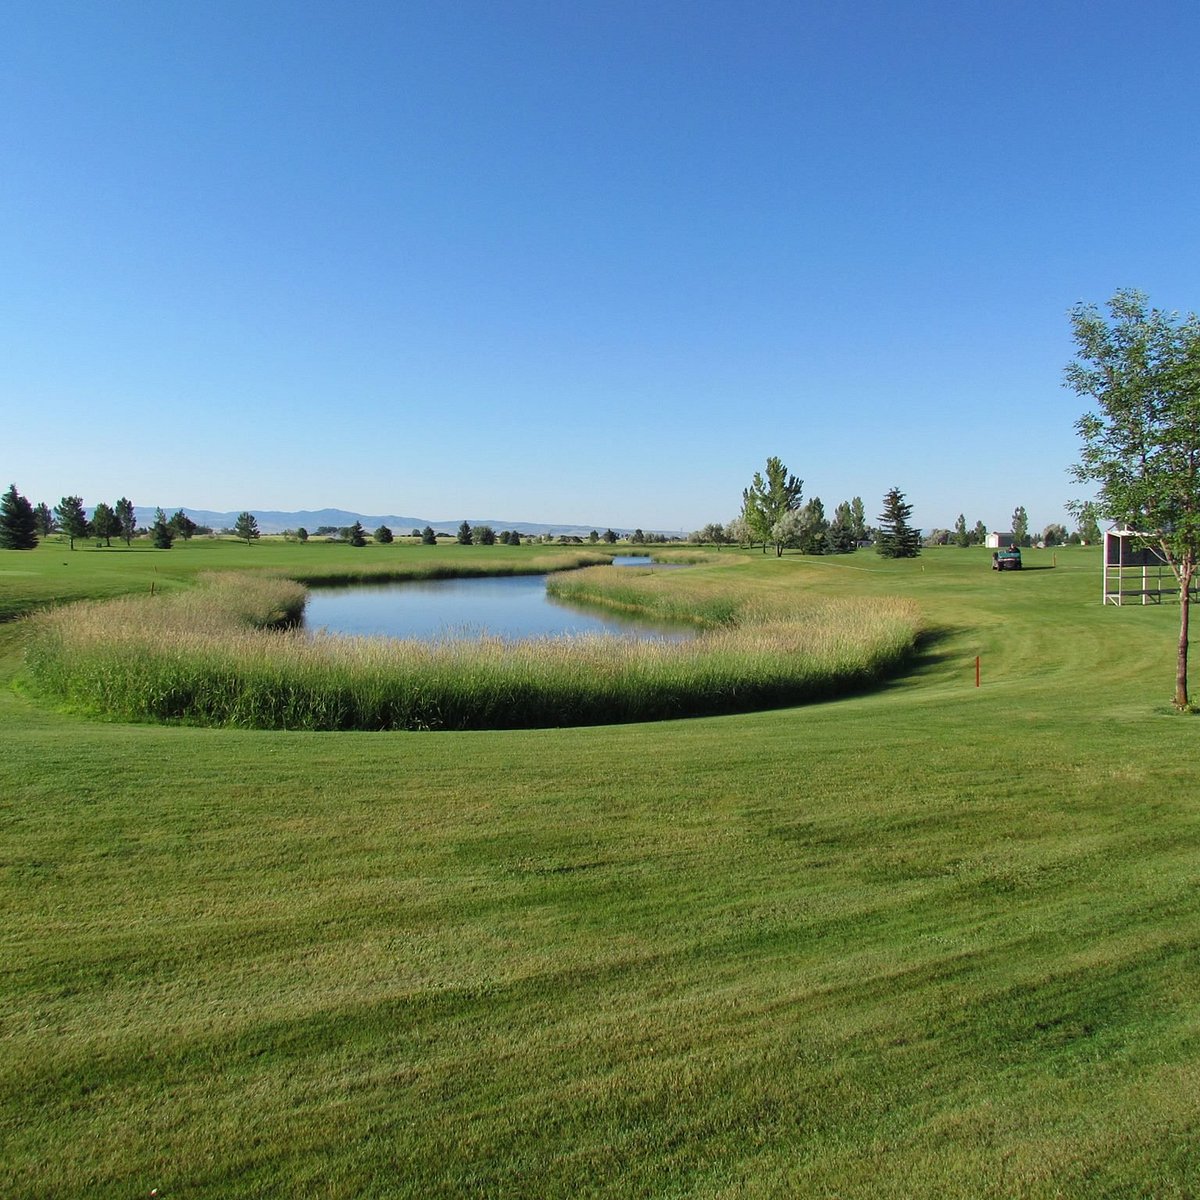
(1181, 664)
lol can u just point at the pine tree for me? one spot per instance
(18, 527)
(160, 531)
(246, 527)
(43, 520)
(428, 537)
(1020, 526)
(896, 538)
(72, 519)
(356, 535)
(464, 534)
(961, 536)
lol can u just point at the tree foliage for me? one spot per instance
(104, 523)
(464, 536)
(18, 525)
(384, 536)
(767, 501)
(1020, 526)
(72, 518)
(126, 521)
(1141, 441)
(895, 537)
(246, 527)
(428, 537)
(161, 533)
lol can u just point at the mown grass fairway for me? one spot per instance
(933, 940)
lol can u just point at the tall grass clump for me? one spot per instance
(224, 654)
(338, 573)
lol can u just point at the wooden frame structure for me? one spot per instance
(1134, 570)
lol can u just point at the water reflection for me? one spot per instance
(515, 608)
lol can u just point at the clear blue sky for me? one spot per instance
(577, 262)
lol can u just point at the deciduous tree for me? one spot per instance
(1141, 442)
(125, 519)
(428, 537)
(105, 523)
(1020, 526)
(768, 499)
(384, 536)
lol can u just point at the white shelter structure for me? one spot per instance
(1134, 569)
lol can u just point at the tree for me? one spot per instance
(72, 519)
(125, 519)
(356, 535)
(593, 537)
(246, 527)
(105, 523)
(813, 536)
(608, 537)
(160, 531)
(43, 520)
(979, 534)
(485, 535)
(301, 534)
(428, 537)
(1054, 535)
(384, 536)
(841, 530)
(961, 536)
(18, 526)
(765, 501)
(1141, 444)
(1020, 526)
(182, 525)
(896, 538)
(859, 519)
(1089, 526)
(463, 537)
(514, 538)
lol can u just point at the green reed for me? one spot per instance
(225, 653)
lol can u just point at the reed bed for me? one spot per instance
(223, 654)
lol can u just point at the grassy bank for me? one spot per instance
(212, 656)
(931, 940)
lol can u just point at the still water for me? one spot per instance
(511, 607)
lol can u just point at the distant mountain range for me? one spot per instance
(271, 521)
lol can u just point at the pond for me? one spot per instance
(513, 607)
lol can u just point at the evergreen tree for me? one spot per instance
(464, 534)
(43, 520)
(301, 534)
(979, 533)
(126, 521)
(428, 537)
(514, 538)
(608, 537)
(72, 519)
(895, 537)
(841, 530)
(485, 535)
(160, 531)
(384, 536)
(18, 527)
(246, 527)
(356, 535)
(961, 536)
(104, 523)
(593, 537)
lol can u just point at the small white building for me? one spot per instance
(994, 541)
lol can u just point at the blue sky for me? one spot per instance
(577, 262)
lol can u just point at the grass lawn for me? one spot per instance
(932, 940)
